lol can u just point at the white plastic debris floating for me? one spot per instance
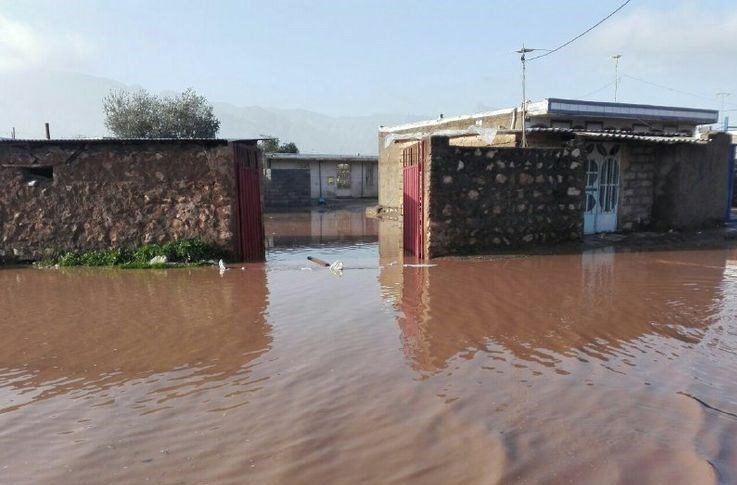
(337, 267)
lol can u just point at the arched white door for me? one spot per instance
(602, 188)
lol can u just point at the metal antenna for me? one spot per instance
(724, 95)
(616, 58)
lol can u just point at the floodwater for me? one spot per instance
(599, 367)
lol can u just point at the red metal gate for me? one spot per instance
(250, 222)
(413, 186)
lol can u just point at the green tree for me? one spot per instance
(272, 145)
(288, 148)
(140, 114)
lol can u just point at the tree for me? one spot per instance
(139, 114)
(288, 148)
(271, 145)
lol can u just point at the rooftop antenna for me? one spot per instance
(616, 58)
(724, 95)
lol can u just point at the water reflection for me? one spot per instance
(597, 305)
(81, 332)
(319, 226)
(594, 368)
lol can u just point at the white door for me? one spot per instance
(602, 188)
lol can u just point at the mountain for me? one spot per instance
(71, 103)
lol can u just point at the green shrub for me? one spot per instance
(187, 251)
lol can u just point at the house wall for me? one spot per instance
(636, 190)
(288, 187)
(483, 200)
(691, 186)
(390, 151)
(363, 184)
(390, 173)
(681, 186)
(115, 195)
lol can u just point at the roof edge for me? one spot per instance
(420, 124)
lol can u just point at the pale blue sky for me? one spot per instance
(361, 57)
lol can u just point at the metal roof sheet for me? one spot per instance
(621, 135)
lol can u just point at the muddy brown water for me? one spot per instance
(599, 367)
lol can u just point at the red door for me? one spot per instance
(250, 222)
(413, 187)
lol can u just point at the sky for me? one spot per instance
(360, 57)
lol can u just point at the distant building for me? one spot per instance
(296, 180)
(605, 167)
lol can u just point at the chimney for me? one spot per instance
(48, 133)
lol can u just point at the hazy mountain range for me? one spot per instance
(71, 103)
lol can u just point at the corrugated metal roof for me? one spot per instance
(622, 135)
(324, 157)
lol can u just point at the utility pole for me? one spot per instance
(523, 51)
(724, 95)
(616, 58)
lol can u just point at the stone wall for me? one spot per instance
(485, 200)
(103, 194)
(636, 196)
(287, 188)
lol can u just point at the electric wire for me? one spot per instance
(581, 34)
(596, 91)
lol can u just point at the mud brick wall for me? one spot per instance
(486, 200)
(287, 188)
(114, 194)
(637, 192)
(692, 184)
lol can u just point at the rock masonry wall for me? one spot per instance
(114, 195)
(486, 200)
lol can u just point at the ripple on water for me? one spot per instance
(603, 367)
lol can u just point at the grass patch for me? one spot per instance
(185, 252)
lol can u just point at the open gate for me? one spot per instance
(413, 158)
(250, 222)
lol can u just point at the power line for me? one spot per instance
(667, 88)
(708, 99)
(583, 33)
(598, 90)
